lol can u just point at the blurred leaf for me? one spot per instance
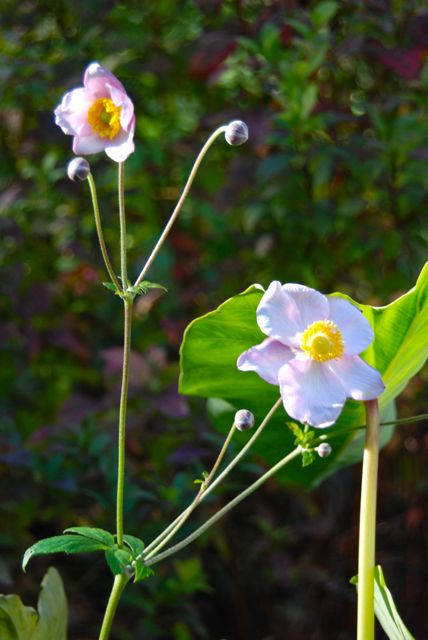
(323, 12)
(385, 609)
(18, 622)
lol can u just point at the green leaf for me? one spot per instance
(18, 622)
(52, 608)
(142, 571)
(100, 535)
(135, 544)
(323, 12)
(118, 559)
(385, 609)
(144, 287)
(112, 287)
(69, 543)
(308, 458)
(212, 344)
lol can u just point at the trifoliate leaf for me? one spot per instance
(69, 543)
(100, 535)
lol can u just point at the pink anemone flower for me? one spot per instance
(99, 115)
(312, 352)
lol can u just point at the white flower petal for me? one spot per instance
(72, 114)
(311, 393)
(97, 77)
(359, 379)
(85, 145)
(121, 147)
(285, 311)
(265, 359)
(311, 304)
(355, 328)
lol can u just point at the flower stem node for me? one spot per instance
(236, 133)
(78, 169)
(323, 450)
(244, 420)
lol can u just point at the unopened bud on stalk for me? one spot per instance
(236, 132)
(323, 450)
(244, 420)
(78, 169)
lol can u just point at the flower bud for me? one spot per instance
(78, 169)
(244, 420)
(236, 132)
(323, 450)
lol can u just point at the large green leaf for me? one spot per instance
(212, 344)
(18, 622)
(385, 609)
(68, 543)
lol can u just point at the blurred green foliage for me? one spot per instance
(330, 190)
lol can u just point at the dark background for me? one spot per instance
(331, 190)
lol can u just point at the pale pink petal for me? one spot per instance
(72, 114)
(311, 304)
(85, 145)
(359, 379)
(120, 99)
(311, 392)
(120, 147)
(356, 331)
(285, 311)
(97, 77)
(265, 359)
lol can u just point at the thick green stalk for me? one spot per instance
(367, 536)
(119, 584)
(99, 229)
(122, 219)
(258, 483)
(122, 420)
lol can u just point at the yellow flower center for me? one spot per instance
(322, 341)
(104, 118)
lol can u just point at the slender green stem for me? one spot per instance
(119, 584)
(99, 228)
(367, 535)
(179, 522)
(122, 421)
(222, 475)
(182, 198)
(258, 483)
(122, 219)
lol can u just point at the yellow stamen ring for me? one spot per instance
(104, 118)
(322, 341)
